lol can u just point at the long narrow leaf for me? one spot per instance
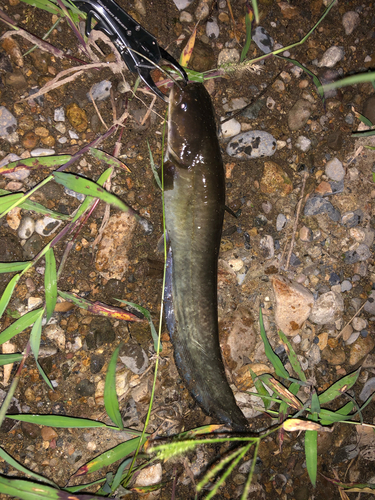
(50, 283)
(108, 159)
(7, 359)
(7, 294)
(292, 356)
(7, 201)
(249, 16)
(262, 391)
(110, 395)
(273, 358)
(19, 325)
(339, 387)
(60, 421)
(12, 267)
(153, 168)
(311, 454)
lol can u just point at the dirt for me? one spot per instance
(282, 472)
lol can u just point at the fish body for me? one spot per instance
(194, 195)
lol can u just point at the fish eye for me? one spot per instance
(183, 106)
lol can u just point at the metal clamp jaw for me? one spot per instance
(137, 47)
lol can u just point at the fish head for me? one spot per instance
(191, 123)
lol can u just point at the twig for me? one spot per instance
(351, 319)
(305, 175)
(97, 110)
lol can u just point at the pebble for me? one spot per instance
(48, 433)
(352, 219)
(299, 114)
(360, 349)
(42, 152)
(334, 356)
(85, 388)
(252, 112)
(317, 205)
(252, 144)
(96, 363)
(267, 248)
(346, 286)
(280, 222)
(305, 234)
(59, 114)
(334, 170)
(303, 143)
(77, 117)
(331, 57)
(293, 304)
(267, 207)
(149, 476)
(327, 308)
(32, 247)
(228, 56)
(361, 253)
(263, 40)
(14, 218)
(47, 226)
(8, 126)
(230, 128)
(235, 104)
(350, 20)
(274, 180)
(100, 91)
(346, 332)
(314, 355)
(8, 159)
(30, 140)
(368, 389)
(56, 334)
(134, 358)
(185, 17)
(30, 430)
(370, 304)
(202, 11)
(212, 28)
(236, 264)
(101, 332)
(353, 337)
(359, 323)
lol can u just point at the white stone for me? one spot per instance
(303, 143)
(331, 57)
(26, 228)
(230, 128)
(359, 324)
(327, 309)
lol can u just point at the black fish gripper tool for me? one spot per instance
(138, 48)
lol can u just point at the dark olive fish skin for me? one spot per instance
(194, 209)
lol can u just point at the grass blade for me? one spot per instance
(153, 168)
(339, 387)
(283, 393)
(292, 357)
(109, 457)
(60, 421)
(319, 86)
(44, 376)
(262, 391)
(188, 50)
(110, 395)
(19, 325)
(5, 298)
(249, 16)
(36, 207)
(7, 359)
(50, 283)
(147, 315)
(34, 163)
(350, 80)
(7, 201)
(311, 454)
(11, 267)
(108, 159)
(11, 461)
(273, 358)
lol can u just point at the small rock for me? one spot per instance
(29, 430)
(32, 247)
(59, 115)
(346, 332)
(359, 323)
(352, 219)
(267, 248)
(305, 234)
(26, 228)
(267, 207)
(293, 304)
(353, 337)
(370, 304)
(47, 226)
(227, 56)
(96, 363)
(42, 152)
(314, 355)
(8, 125)
(334, 140)
(299, 114)
(263, 40)
(334, 170)
(327, 309)
(334, 356)
(368, 389)
(280, 222)
(350, 20)
(202, 11)
(14, 218)
(360, 349)
(185, 17)
(303, 143)
(102, 331)
(48, 433)
(331, 57)
(85, 388)
(212, 28)
(317, 205)
(99, 92)
(30, 140)
(323, 339)
(56, 334)
(149, 476)
(346, 286)
(134, 357)
(230, 128)
(252, 144)
(361, 253)
(275, 180)
(77, 117)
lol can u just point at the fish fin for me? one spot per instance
(170, 318)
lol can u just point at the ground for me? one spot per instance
(77, 346)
